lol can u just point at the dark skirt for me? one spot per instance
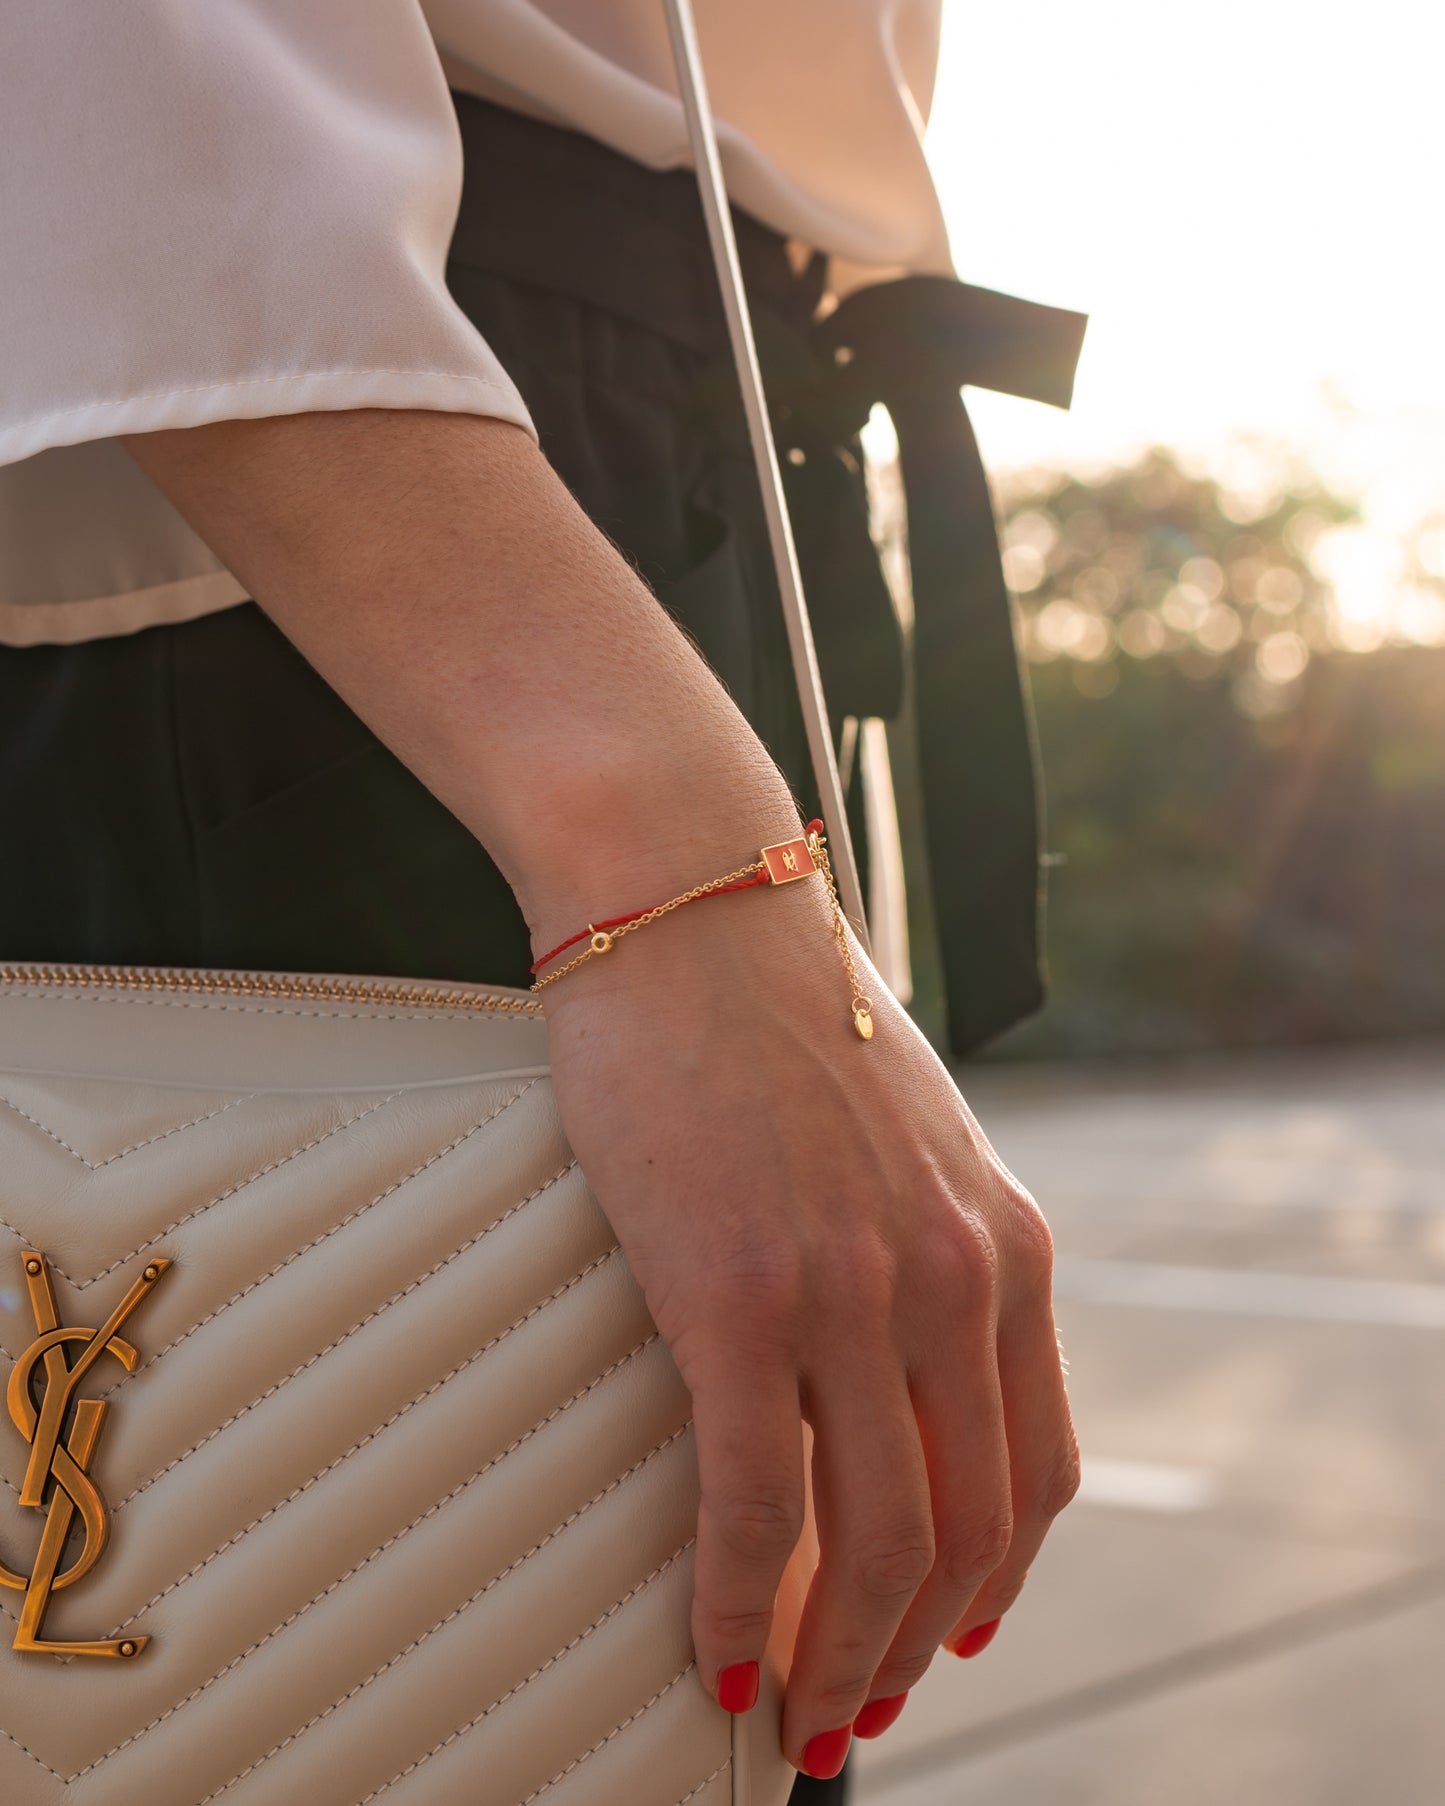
(196, 795)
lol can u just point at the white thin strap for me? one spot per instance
(795, 609)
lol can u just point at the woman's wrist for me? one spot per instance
(757, 948)
(692, 969)
(620, 836)
(438, 574)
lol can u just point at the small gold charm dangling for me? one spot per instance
(862, 1006)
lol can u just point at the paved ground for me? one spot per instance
(1246, 1607)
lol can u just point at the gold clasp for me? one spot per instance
(62, 1462)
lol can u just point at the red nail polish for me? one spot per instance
(823, 1758)
(974, 1642)
(878, 1715)
(737, 1687)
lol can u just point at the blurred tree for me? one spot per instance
(1244, 766)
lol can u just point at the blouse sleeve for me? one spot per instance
(224, 210)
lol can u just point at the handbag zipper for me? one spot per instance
(177, 980)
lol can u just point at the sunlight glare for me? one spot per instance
(1243, 199)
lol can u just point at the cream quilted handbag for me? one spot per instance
(304, 1302)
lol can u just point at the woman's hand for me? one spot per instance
(822, 1230)
(823, 1233)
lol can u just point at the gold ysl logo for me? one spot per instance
(61, 1458)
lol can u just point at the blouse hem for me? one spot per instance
(26, 624)
(258, 397)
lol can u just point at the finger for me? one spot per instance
(960, 1412)
(875, 1531)
(749, 1428)
(1043, 1456)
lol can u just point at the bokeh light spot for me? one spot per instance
(1221, 629)
(1204, 575)
(1142, 634)
(1420, 615)
(1095, 638)
(1023, 568)
(1279, 589)
(1032, 528)
(1185, 607)
(1281, 658)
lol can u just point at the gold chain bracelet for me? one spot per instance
(781, 864)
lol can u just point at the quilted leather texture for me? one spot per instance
(403, 1486)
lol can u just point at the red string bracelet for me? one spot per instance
(593, 928)
(780, 864)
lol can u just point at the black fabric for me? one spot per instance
(632, 241)
(913, 345)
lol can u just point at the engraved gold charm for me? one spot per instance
(60, 1457)
(790, 859)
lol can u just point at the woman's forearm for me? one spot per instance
(436, 571)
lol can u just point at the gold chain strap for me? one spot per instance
(603, 940)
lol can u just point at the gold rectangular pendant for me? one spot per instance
(789, 860)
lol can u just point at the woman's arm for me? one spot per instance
(820, 1226)
(437, 573)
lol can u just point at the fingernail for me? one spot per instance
(737, 1687)
(974, 1642)
(823, 1758)
(878, 1715)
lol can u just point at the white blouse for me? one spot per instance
(239, 208)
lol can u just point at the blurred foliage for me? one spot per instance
(1246, 807)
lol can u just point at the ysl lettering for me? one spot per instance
(60, 1457)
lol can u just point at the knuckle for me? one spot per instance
(1003, 1595)
(762, 1526)
(963, 1262)
(1031, 1238)
(863, 1279)
(902, 1671)
(977, 1250)
(757, 1279)
(896, 1567)
(747, 1312)
(1061, 1481)
(840, 1699)
(730, 1629)
(978, 1550)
